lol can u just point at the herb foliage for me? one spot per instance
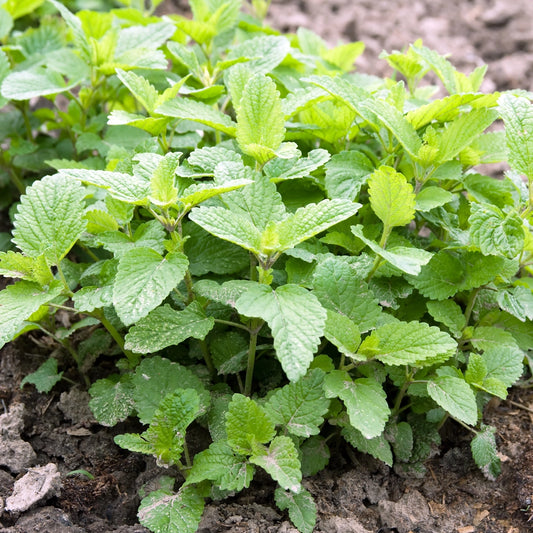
(283, 250)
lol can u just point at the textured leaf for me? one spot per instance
(162, 512)
(408, 343)
(155, 378)
(112, 399)
(485, 452)
(391, 197)
(247, 424)
(289, 169)
(449, 313)
(312, 219)
(165, 326)
(33, 83)
(124, 187)
(343, 333)
(45, 377)
(163, 191)
(431, 197)
(517, 114)
(377, 447)
(220, 464)
(149, 234)
(300, 407)
(346, 173)
(265, 53)
(338, 287)
(17, 265)
(517, 302)
(365, 401)
(314, 456)
(504, 363)
(19, 301)
(50, 218)
(260, 121)
(495, 232)
(301, 508)
(144, 279)
(142, 89)
(297, 321)
(188, 109)
(454, 395)
(282, 463)
(226, 293)
(302, 98)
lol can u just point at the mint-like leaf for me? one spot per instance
(301, 507)
(45, 377)
(112, 399)
(485, 452)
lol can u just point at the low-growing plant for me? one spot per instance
(291, 253)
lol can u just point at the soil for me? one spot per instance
(43, 438)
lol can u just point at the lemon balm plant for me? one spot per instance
(284, 251)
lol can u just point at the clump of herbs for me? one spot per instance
(284, 251)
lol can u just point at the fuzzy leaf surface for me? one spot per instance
(50, 218)
(485, 452)
(297, 321)
(301, 508)
(112, 399)
(454, 395)
(346, 173)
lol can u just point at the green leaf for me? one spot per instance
(149, 234)
(17, 265)
(377, 447)
(33, 83)
(339, 288)
(247, 424)
(455, 396)
(431, 197)
(155, 378)
(265, 53)
(312, 219)
(346, 173)
(408, 343)
(289, 169)
(365, 401)
(45, 377)
(163, 181)
(517, 302)
(100, 221)
(19, 301)
(144, 279)
(297, 321)
(301, 507)
(315, 455)
(165, 326)
(343, 56)
(281, 462)
(449, 313)
(162, 512)
(188, 109)
(342, 333)
(124, 187)
(220, 464)
(260, 121)
(462, 131)
(391, 197)
(112, 399)
(495, 232)
(517, 115)
(144, 92)
(504, 364)
(485, 452)
(300, 407)
(50, 218)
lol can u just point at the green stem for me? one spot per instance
(255, 326)
(232, 324)
(401, 394)
(64, 280)
(132, 358)
(17, 181)
(470, 305)
(188, 461)
(207, 358)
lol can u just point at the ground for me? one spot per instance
(356, 494)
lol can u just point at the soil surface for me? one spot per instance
(43, 438)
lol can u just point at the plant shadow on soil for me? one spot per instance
(355, 494)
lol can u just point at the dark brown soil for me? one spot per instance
(356, 494)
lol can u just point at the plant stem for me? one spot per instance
(470, 305)
(207, 358)
(132, 358)
(188, 461)
(255, 326)
(232, 324)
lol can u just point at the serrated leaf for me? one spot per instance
(124, 187)
(301, 507)
(299, 407)
(142, 89)
(485, 452)
(346, 173)
(302, 98)
(99, 221)
(343, 334)
(260, 121)
(495, 232)
(226, 293)
(448, 313)
(431, 197)
(312, 219)
(377, 447)
(455, 396)
(247, 424)
(144, 279)
(517, 114)
(149, 234)
(315, 455)
(33, 83)
(391, 197)
(281, 462)
(220, 464)
(112, 399)
(165, 326)
(19, 301)
(17, 265)
(162, 512)
(365, 401)
(401, 436)
(163, 191)
(45, 377)
(200, 192)
(343, 56)
(156, 377)
(50, 218)
(289, 169)
(297, 321)
(229, 351)
(408, 343)
(504, 364)
(264, 53)
(188, 109)
(517, 302)
(339, 288)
